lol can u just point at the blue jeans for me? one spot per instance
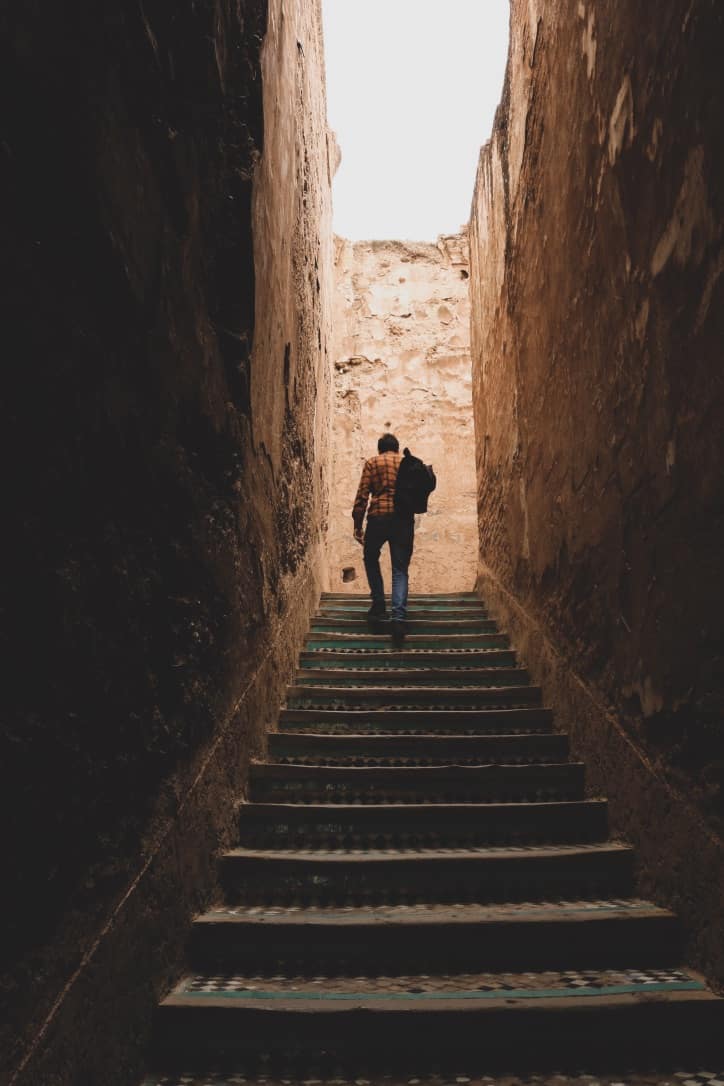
(399, 533)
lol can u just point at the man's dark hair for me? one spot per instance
(388, 443)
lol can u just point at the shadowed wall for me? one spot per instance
(597, 323)
(166, 255)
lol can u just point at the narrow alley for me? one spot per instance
(254, 837)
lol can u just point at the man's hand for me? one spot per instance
(359, 536)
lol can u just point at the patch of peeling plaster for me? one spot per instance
(653, 144)
(525, 549)
(670, 455)
(534, 20)
(589, 44)
(692, 222)
(621, 129)
(715, 272)
(642, 321)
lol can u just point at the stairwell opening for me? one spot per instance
(401, 340)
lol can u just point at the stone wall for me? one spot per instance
(166, 261)
(597, 322)
(402, 363)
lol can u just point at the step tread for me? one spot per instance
(449, 639)
(411, 623)
(399, 721)
(437, 743)
(435, 915)
(286, 771)
(364, 597)
(373, 659)
(411, 639)
(433, 741)
(422, 988)
(511, 713)
(435, 611)
(410, 810)
(416, 697)
(414, 854)
(350, 749)
(411, 676)
(697, 1075)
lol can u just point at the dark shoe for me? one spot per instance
(377, 618)
(398, 632)
(377, 610)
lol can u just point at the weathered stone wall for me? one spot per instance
(402, 362)
(597, 322)
(166, 259)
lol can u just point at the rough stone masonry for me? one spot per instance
(597, 253)
(402, 362)
(166, 260)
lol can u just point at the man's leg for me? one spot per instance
(400, 554)
(375, 536)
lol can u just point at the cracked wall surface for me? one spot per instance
(597, 322)
(402, 362)
(167, 261)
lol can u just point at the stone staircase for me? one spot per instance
(421, 880)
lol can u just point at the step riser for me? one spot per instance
(300, 697)
(535, 1038)
(454, 793)
(360, 597)
(487, 721)
(418, 611)
(256, 879)
(411, 626)
(289, 825)
(446, 948)
(289, 784)
(417, 679)
(402, 660)
(453, 749)
(418, 641)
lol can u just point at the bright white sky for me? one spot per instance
(412, 88)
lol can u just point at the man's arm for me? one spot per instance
(360, 502)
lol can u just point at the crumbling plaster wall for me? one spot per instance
(402, 363)
(597, 322)
(167, 266)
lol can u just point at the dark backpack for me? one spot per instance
(415, 482)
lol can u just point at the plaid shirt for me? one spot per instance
(379, 476)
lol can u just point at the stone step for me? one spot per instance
(380, 876)
(412, 625)
(304, 748)
(413, 597)
(397, 938)
(282, 1070)
(369, 641)
(349, 658)
(440, 697)
(277, 783)
(605, 1017)
(380, 825)
(516, 721)
(433, 611)
(414, 677)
